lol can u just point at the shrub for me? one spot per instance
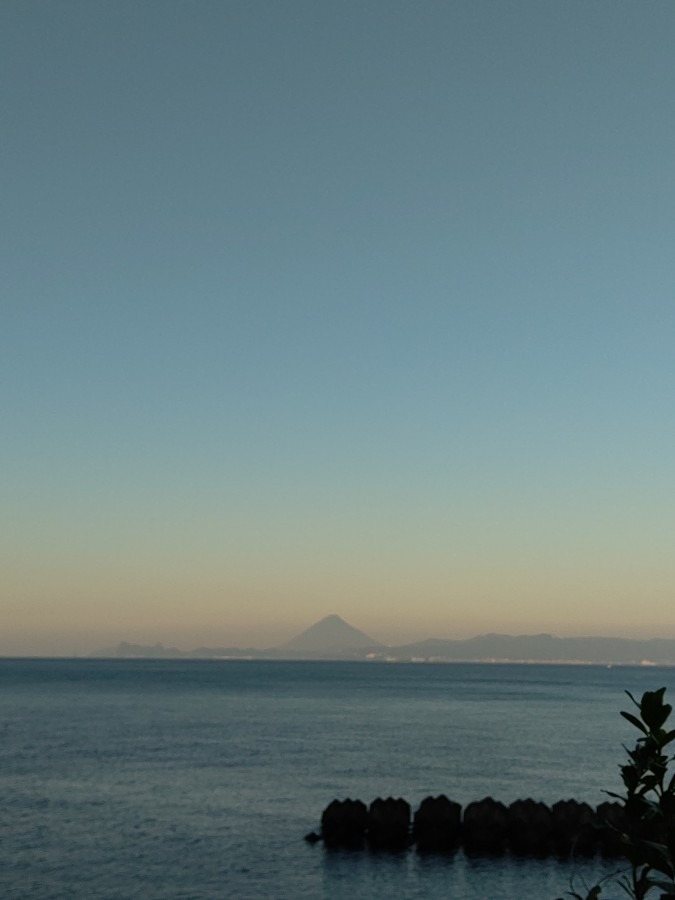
(648, 842)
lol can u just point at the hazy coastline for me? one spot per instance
(332, 638)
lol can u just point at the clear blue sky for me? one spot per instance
(354, 307)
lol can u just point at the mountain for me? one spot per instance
(540, 648)
(331, 637)
(125, 650)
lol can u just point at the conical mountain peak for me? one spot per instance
(330, 636)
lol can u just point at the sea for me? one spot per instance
(198, 780)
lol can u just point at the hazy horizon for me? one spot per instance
(356, 307)
(70, 646)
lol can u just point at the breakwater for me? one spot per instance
(524, 827)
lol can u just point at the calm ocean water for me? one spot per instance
(197, 780)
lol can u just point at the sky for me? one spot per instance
(309, 307)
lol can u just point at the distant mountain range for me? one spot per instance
(333, 638)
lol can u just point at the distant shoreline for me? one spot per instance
(646, 664)
(333, 639)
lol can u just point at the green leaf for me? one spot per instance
(653, 710)
(635, 721)
(658, 857)
(665, 886)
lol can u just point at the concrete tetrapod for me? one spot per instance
(389, 823)
(611, 822)
(437, 824)
(484, 826)
(487, 826)
(529, 826)
(343, 823)
(574, 828)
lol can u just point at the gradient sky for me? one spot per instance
(354, 307)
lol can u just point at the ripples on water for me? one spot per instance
(197, 780)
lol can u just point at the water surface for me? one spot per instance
(198, 779)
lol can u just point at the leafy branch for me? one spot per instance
(648, 841)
